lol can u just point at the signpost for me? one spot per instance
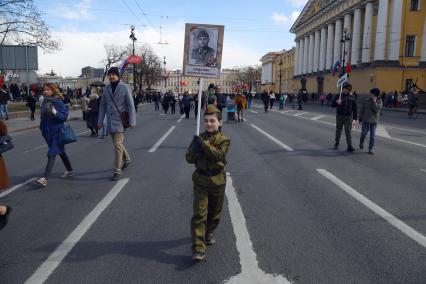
(202, 55)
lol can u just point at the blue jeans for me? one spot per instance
(281, 105)
(366, 127)
(4, 112)
(248, 104)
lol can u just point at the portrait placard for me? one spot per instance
(203, 50)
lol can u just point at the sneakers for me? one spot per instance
(370, 152)
(209, 239)
(126, 165)
(350, 149)
(4, 219)
(115, 177)
(198, 256)
(67, 174)
(41, 181)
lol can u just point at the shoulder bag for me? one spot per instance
(123, 115)
(5, 143)
(67, 135)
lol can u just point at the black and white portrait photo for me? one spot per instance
(203, 46)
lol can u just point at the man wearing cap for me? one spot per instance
(116, 101)
(346, 115)
(369, 116)
(208, 153)
(203, 54)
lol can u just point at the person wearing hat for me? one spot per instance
(203, 54)
(115, 103)
(208, 153)
(346, 115)
(369, 116)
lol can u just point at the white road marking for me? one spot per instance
(250, 271)
(404, 228)
(54, 260)
(381, 131)
(40, 147)
(84, 132)
(156, 145)
(180, 119)
(286, 111)
(161, 114)
(299, 114)
(318, 117)
(253, 111)
(288, 148)
(15, 187)
(423, 170)
(406, 129)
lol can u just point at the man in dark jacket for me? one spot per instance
(369, 116)
(346, 115)
(4, 99)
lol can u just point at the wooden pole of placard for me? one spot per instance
(200, 93)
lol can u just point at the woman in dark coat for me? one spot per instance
(4, 181)
(31, 103)
(93, 114)
(54, 114)
(166, 103)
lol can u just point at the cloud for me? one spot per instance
(285, 20)
(77, 11)
(80, 49)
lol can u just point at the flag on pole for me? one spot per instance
(336, 67)
(348, 68)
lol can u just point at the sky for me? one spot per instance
(252, 28)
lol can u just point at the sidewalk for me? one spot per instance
(21, 124)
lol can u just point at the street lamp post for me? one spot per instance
(281, 72)
(165, 75)
(345, 37)
(133, 38)
(179, 86)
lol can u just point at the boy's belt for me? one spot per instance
(209, 173)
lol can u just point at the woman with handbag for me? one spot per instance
(53, 114)
(4, 181)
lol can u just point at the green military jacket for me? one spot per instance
(210, 162)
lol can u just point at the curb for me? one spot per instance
(36, 126)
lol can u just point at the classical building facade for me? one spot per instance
(278, 71)
(190, 84)
(386, 49)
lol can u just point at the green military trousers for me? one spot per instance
(346, 121)
(208, 203)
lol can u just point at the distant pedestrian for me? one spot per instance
(4, 100)
(173, 104)
(53, 115)
(31, 104)
(186, 103)
(265, 100)
(208, 153)
(240, 102)
(271, 99)
(93, 113)
(300, 98)
(281, 101)
(328, 98)
(346, 115)
(369, 116)
(156, 99)
(117, 105)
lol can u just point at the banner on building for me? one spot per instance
(203, 50)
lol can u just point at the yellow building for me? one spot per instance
(226, 81)
(386, 46)
(278, 71)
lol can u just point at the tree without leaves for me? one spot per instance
(21, 23)
(114, 54)
(248, 75)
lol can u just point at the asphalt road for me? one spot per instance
(301, 211)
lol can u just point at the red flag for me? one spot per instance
(348, 68)
(134, 59)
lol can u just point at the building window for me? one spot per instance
(410, 46)
(414, 5)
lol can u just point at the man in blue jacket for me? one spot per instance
(117, 100)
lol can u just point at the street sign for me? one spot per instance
(342, 80)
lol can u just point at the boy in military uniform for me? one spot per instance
(208, 152)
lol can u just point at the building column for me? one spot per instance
(395, 31)
(347, 28)
(296, 59)
(330, 47)
(367, 39)
(423, 53)
(323, 49)
(337, 44)
(356, 38)
(381, 31)
(305, 55)
(301, 53)
(311, 53)
(316, 51)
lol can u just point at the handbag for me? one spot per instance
(5, 143)
(124, 115)
(67, 135)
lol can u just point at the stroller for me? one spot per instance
(230, 111)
